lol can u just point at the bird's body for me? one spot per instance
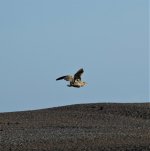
(75, 81)
(77, 84)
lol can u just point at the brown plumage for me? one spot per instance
(75, 81)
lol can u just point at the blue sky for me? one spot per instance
(42, 40)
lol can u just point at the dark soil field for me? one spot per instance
(83, 127)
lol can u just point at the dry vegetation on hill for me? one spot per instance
(83, 127)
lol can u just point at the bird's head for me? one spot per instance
(84, 83)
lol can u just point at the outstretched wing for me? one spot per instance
(78, 74)
(67, 78)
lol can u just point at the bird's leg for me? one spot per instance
(69, 85)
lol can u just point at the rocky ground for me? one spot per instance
(84, 127)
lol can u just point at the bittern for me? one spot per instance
(75, 81)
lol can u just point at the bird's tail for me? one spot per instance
(60, 78)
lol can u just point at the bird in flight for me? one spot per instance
(75, 81)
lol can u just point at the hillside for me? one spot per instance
(85, 127)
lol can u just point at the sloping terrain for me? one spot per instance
(83, 127)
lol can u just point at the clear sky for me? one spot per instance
(41, 40)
